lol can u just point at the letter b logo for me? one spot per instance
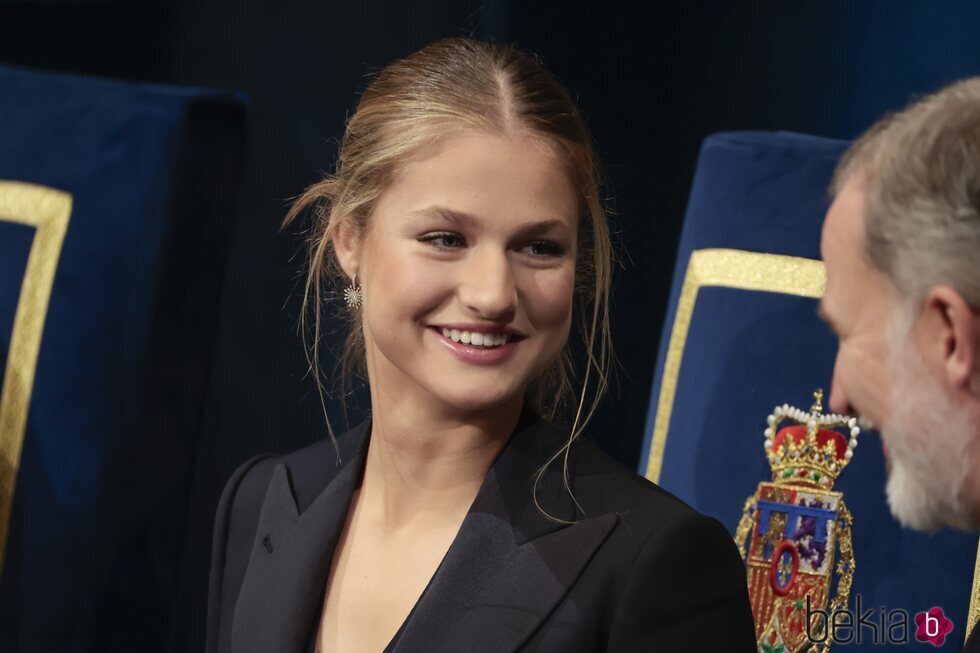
(932, 626)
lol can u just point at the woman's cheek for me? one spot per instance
(553, 297)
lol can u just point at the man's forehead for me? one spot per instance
(842, 237)
(841, 246)
(845, 219)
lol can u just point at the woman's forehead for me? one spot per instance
(477, 176)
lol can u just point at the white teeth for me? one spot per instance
(476, 338)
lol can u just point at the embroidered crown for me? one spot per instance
(811, 448)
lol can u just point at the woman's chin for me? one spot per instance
(481, 402)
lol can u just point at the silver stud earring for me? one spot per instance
(353, 294)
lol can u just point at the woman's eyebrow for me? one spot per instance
(452, 215)
(536, 228)
(544, 227)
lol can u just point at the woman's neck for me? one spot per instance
(425, 465)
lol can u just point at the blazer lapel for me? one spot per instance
(509, 566)
(294, 546)
(507, 569)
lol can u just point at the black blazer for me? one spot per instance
(638, 571)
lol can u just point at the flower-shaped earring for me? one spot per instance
(353, 294)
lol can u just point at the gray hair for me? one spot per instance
(921, 171)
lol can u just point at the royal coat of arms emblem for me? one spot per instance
(794, 524)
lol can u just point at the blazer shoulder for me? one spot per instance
(677, 571)
(235, 524)
(623, 487)
(603, 485)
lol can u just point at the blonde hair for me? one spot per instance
(453, 85)
(921, 171)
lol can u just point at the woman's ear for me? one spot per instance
(346, 245)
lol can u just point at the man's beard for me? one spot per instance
(929, 442)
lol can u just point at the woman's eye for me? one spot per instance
(545, 249)
(443, 240)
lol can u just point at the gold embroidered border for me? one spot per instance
(731, 268)
(48, 211)
(974, 614)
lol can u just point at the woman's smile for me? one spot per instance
(477, 345)
(475, 243)
(476, 338)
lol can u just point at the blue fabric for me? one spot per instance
(15, 243)
(748, 351)
(100, 501)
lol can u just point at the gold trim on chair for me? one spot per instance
(728, 268)
(732, 268)
(48, 211)
(974, 614)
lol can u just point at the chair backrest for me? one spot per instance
(115, 206)
(742, 337)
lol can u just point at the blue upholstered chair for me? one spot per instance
(115, 203)
(742, 336)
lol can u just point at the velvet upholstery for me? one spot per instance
(747, 351)
(117, 384)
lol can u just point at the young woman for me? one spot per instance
(465, 221)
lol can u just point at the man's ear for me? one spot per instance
(346, 245)
(951, 330)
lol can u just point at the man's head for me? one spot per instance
(901, 245)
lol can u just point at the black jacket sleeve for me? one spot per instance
(235, 523)
(686, 591)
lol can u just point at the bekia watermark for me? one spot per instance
(881, 626)
(932, 626)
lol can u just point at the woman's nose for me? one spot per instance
(487, 287)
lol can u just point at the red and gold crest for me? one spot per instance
(794, 524)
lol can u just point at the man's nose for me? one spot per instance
(839, 402)
(488, 288)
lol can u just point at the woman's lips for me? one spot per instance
(476, 354)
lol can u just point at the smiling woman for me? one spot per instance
(464, 218)
(488, 250)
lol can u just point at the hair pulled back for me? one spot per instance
(449, 86)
